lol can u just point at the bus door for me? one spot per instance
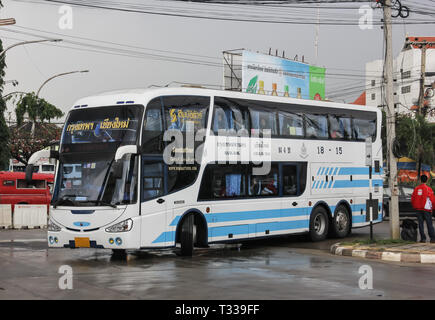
(153, 203)
(294, 210)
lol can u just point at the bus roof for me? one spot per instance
(22, 175)
(142, 96)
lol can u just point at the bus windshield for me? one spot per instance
(86, 174)
(93, 182)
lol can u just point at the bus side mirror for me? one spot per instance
(117, 165)
(122, 151)
(35, 157)
(117, 169)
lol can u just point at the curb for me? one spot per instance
(383, 255)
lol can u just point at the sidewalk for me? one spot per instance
(414, 252)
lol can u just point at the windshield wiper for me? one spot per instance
(65, 199)
(106, 203)
(99, 202)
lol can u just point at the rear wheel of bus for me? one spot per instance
(319, 224)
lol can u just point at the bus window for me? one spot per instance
(153, 128)
(262, 121)
(229, 115)
(290, 180)
(181, 176)
(34, 184)
(316, 126)
(264, 185)
(364, 128)
(179, 110)
(152, 180)
(47, 168)
(340, 127)
(294, 178)
(223, 181)
(290, 124)
(220, 120)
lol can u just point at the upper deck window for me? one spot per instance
(316, 126)
(113, 125)
(181, 112)
(229, 115)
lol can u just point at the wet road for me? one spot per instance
(285, 268)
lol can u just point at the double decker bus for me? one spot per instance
(187, 167)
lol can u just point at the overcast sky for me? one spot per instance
(342, 49)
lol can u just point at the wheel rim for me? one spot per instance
(341, 221)
(319, 224)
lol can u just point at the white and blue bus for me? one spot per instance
(126, 194)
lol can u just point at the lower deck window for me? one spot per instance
(221, 182)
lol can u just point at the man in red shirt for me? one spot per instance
(423, 200)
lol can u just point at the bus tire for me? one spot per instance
(319, 224)
(341, 222)
(187, 237)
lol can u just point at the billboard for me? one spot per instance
(265, 74)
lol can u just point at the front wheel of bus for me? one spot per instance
(187, 238)
(319, 224)
(341, 222)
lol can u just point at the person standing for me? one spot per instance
(423, 200)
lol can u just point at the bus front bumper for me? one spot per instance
(94, 239)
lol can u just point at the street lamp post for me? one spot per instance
(27, 42)
(58, 75)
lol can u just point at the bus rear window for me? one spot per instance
(364, 128)
(34, 184)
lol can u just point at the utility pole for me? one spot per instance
(422, 78)
(391, 124)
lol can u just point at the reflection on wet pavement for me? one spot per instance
(286, 268)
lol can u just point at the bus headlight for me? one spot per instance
(122, 226)
(52, 226)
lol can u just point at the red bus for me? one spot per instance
(15, 189)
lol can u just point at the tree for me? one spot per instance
(36, 108)
(22, 143)
(416, 138)
(4, 131)
(35, 134)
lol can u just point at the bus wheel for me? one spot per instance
(319, 224)
(341, 222)
(188, 234)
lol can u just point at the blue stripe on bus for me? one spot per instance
(318, 171)
(353, 171)
(335, 171)
(169, 236)
(356, 183)
(321, 172)
(250, 215)
(358, 171)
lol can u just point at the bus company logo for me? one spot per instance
(304, 153)
(186, 115)
(81, 224)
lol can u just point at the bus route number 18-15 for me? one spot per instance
(321, 150)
